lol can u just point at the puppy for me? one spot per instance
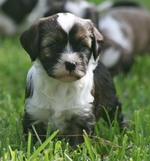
(126, 33)
(67, 86)
(14, 14)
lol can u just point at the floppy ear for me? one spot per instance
(97, 43)
(30, 41)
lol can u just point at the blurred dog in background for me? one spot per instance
(126, 29)
(15, 14)
(80, 8)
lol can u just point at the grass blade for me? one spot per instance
(29, 144)
(36, 134)
(43, 146)
(88, 145)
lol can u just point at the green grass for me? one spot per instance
(107, 144)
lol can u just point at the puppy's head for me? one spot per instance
(64, 44)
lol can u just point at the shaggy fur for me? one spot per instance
(67, 86)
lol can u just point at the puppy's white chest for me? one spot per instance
(54, 101)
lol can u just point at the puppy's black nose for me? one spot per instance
(70, 66)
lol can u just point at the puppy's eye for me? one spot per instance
(82, 47)
(54, 46)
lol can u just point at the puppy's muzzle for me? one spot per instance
(70, 66)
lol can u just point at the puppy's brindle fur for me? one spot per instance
(64, 86)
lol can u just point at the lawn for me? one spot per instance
(107, 144)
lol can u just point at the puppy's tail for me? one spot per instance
(109, 4)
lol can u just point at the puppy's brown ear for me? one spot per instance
(30, 41)
(97, 43)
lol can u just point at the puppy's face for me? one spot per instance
(64, 44)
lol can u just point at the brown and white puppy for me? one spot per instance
(67, 86)
(126, 31)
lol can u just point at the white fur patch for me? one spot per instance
(66, 20)
(54, 101)
(110, 57)
(1, 2)
(77, 7)
(104, 5)
(7, 25)
(64, 75)
(38, 11)
(112, 29)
